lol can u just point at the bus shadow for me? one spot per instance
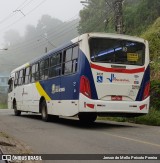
(74, 122)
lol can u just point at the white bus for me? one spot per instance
(93, 74)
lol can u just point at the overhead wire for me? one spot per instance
(26, 4)
(21, 4)
(10, 25)
(13, 13)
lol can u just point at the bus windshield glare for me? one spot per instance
(117, 51)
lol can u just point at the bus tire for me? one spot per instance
(87, 118)
(16, 112)
(44, 112)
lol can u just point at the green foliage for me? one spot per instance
(153, 36)
(3, 106)
(152, 118)
(139, 16)
(99, 16)
(95, 17)
(155, 94)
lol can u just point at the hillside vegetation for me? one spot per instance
(153, 36)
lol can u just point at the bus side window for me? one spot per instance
(75, 58)
(55, 65)
(20, 79)
(16, 79)
(27, 75)
(46, 66)
(35, 72)
(10, 83)
(67, 62)
(70, 60)
(43, 69)
(75, 52)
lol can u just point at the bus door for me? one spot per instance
(10, 92)
(30, 100)
(19, 89)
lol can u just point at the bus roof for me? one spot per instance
(102, 35)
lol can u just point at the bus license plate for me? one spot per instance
(116, 98)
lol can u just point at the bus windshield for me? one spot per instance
(117, 51)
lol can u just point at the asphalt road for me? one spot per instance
(68, 136)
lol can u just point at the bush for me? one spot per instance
(152, 118)
(155, 94)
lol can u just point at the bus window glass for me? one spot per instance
(75, 53)
(37, 67)
(10, 83)
(33, 73)
(46, 63)
(107, 50)
(42, 65)
(68, 68)
(16, 79)
(33, 69)
(37, 72)
(55, 60)
(27, 71)
(27, 75)
(45, 74)
(75, 65)
(55, 71)
(20, 79)
(67, 55)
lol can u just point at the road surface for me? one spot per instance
(68, 136)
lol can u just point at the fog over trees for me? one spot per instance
(48, 33)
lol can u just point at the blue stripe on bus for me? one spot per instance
(146, 78)
(86, 71)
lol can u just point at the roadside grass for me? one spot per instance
(3, 106)
(152, 118)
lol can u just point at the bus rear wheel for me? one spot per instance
(16, 112)
(44, 113)
(87, 117)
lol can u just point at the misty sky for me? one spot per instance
(33, 10)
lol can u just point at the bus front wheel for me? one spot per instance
(16, 112)
(44, 113)
(87, 117)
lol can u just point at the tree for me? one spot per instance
(30, 32)
(140, 15)
(95, 16)
(11, 37)
(98, 16)
(152, 34)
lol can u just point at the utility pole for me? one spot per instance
(118, 16)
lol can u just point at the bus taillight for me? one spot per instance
(85, 86)
(146, 90)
